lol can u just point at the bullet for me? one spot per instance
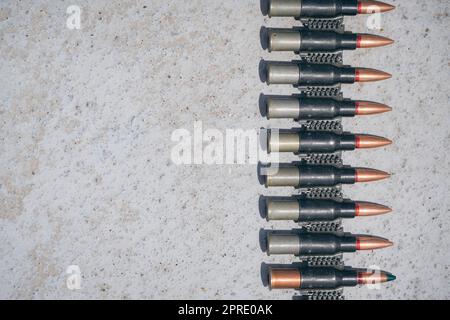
(368, 209)
(306, 176)
(365, 141)
(369, 175)
(310, 210)
(304, 40)
(324, 8)
(302, 142)
(368, 108)
(371, 243)
(372, 41)
(370, 75)
(325, 278)
(302, 108)
(321, 244)
(369, 7)
(295, 73)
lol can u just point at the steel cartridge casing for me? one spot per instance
(300, 108)
(283, 73)
(282, 142)
(304, 210)
(310, 244)
(308, 74)
(298, 176)
(282, 209)
(309, 142)
(306, 40)
(283, 108)
(285, 8)
(312, 8)
(286, 176)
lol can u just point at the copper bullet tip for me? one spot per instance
(365, 141)
(370, 75)
(367, 209)
(372, 41)
(374, 277)
(368, 175)
(284, 279)
(368, 7)
(367, 108)
(372, 243)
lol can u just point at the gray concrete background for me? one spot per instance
(85, 172)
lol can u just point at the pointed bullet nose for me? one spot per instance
(367, 209)
(369, 75)
(390, 277)
(372, 41)
(369, 6)
(368, 175)
(364, 141)
(372, 243)
(368, 108)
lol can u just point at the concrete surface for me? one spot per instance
(86, 177)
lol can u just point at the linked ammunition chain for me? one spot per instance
(313, 125)
(323, 159)
(324, 295)
(334, 226)
(324, 193)
(323, 261)
(321, 193)
(335, 24)
(322, 91)
(324, 58)
(335, 58)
